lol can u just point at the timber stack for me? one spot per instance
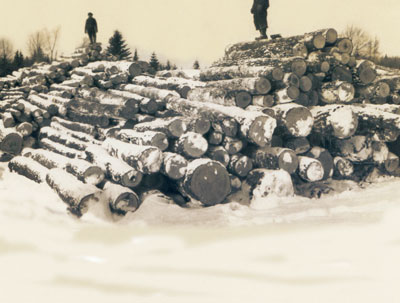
(273, 117)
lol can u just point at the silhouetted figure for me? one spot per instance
(259, 11)
(91, 28)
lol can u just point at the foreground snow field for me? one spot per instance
(342, 248)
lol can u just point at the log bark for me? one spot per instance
(44, 104)
(59, 137)
(255, 127)
(149, 92)
(116, 169)
(28, 168)
(75, 126)
(206, 181)
(121, 199)
(338, 121)
(253, 85)
(73, 192)
(146, 159)
(8, 120)
(86, 118)
(198, 125)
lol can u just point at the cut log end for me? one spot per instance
(344, 168)
(277, 74)
(331, 36)
(392, 163)
(12, 143)
(345, 46)
(209, 183)
(132, 178)
(93, 175)
(125, 202)
(367, 75)
(299, 67)
(319, 41)
(344, 122)
(288, 161)
(263, 86)
(261, 130)
(243, 98)
(299, 121)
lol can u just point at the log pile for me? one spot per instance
(268, 118)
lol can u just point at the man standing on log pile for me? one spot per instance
(259, 11)
(91, 28)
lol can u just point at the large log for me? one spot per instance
(146, 159)
(338, 121)
(59, 137)
(87, 118)
(206, 181)
(75, 134)
(323, 156)
(149, 92)
(10, 140)
(8, 119)
(364, 73)
(28, 168)
(109, 110)
(45, 104)
(172, 127)
(241, 71)
(181, 86)
(25, 129)
(293, 119)
(148, 138)
(220, 95)
(73, 192)
(132, 68)
(76, 126)
(121, 199)
(343, 168)
(253, 85)
(116, 169)
(61, 149)
(83, 170)
(255, 127)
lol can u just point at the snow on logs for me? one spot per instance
(254, 126)
(121, 199)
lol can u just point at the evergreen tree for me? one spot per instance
(168, 66)
(154, 63)
(39, 56)
(18, 60)
(136, 56)
(117, 47)
(196, 64)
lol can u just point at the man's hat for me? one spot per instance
(90, 14)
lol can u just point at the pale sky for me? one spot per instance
(185, 30)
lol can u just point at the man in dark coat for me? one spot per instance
(91, 28)
(259, 11)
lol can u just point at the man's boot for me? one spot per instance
(264, 33)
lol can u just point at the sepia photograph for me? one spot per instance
(181, 151)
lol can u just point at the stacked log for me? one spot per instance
(267, 119)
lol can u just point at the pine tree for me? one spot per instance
(117, 47)
(168, 66)
(18, 60)
(154, 63)
(196, 64)
(136, 56)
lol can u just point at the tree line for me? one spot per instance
(42, 47)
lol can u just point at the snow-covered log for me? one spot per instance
(146, 159)
(172, 127)
(326, 159)
(61, 149)
(261, 183)
(73, 192)
(220, 95)
(240, 165)
(116, 169)
(173, 166)
(60, 137)
(191, 145)
(343, 168)
(45, 104)
(241, 71)
(310, 169)
(28, 168)
(121, 199)
(8, 119)
(148, 138)
(76, 126)
(338, 121)
(75, 115)
(253, 85)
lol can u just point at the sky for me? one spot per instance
(185, 30)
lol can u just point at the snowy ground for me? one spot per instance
(342, 248)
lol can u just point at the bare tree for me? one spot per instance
(36, 46)
(51, 41)
(6, 50)
(363, 44)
